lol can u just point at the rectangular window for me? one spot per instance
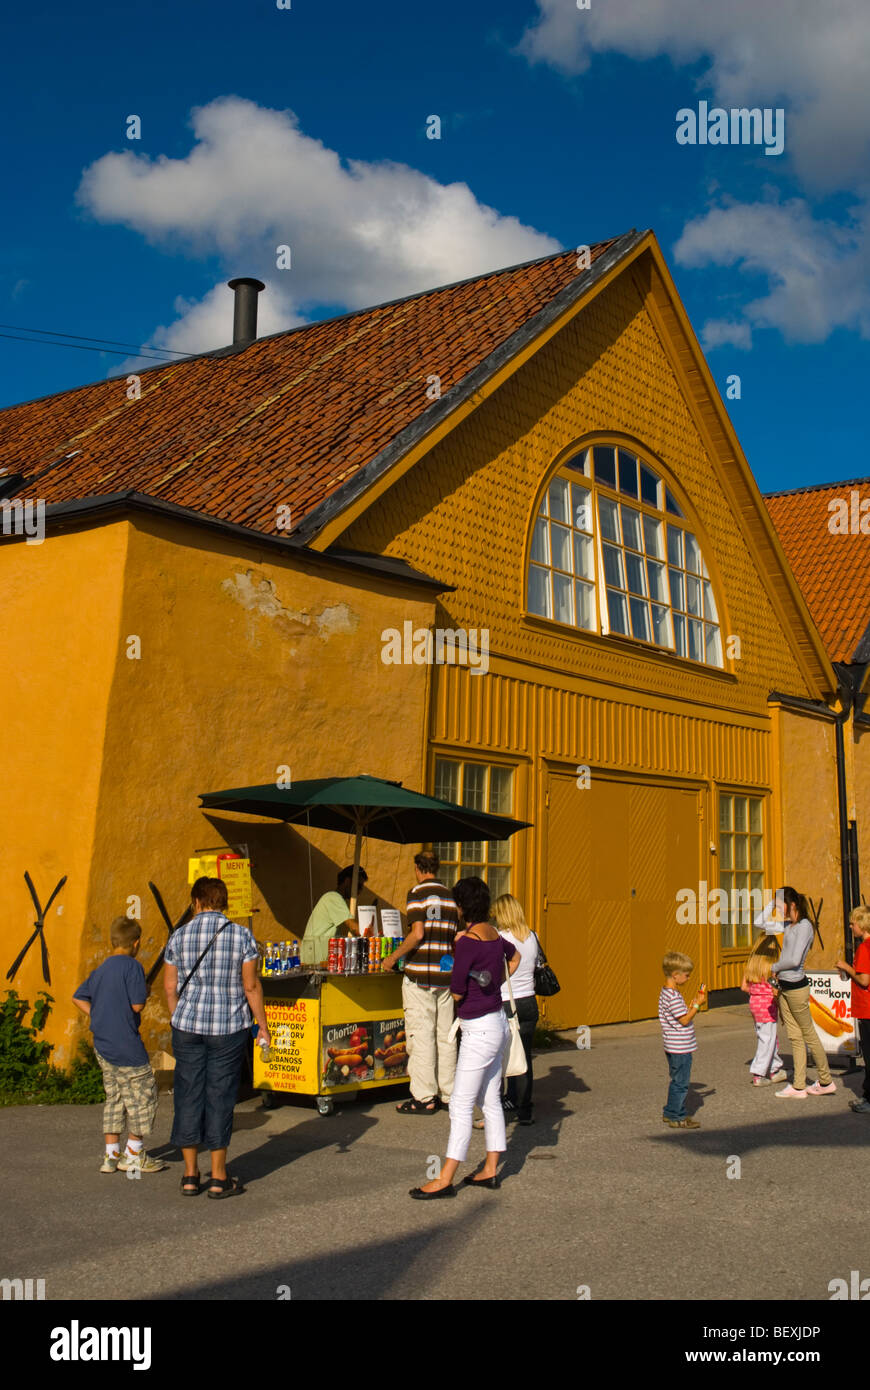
(741, 867)
(485, 787)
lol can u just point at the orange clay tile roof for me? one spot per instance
(832, 570)
(288, 419)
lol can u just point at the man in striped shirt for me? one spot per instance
(678, 1032)
(433, 921)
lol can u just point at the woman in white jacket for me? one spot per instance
(794, 998)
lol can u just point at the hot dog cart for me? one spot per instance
(333, 1033)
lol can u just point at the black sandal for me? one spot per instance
(191, 1185)
(229, 1187)
(418, 1107)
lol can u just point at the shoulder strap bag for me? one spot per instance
(202, 956)
(545, 976)
(515, 1063)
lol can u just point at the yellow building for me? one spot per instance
(237, 549)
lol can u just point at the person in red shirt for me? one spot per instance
(859, 973)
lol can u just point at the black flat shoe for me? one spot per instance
(420, 1196)
(471, 1181)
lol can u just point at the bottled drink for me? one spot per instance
(265, 1050)
(296, 961)
(267, 958)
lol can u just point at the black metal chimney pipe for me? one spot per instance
(245, 308)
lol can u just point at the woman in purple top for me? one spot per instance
(480, 954)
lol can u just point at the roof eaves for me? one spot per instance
(816, 487)
(441, 409)
(60, 515)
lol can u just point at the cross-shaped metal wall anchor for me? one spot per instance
(38, 930)
(155, 969)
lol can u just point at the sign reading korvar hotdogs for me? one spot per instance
(831, 1012)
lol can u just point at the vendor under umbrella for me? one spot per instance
(331, 916)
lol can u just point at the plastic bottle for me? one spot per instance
(295, 962)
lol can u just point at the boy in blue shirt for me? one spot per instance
(113, 997)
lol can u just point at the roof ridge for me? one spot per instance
(815, 487)
(318, 323)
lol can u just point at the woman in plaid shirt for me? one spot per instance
(210, 1011)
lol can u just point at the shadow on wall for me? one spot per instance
(287, 882)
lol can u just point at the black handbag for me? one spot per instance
(545, 976)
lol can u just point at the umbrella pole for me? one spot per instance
(357, 854)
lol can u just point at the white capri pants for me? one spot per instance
(478, 1081)
(767, 1058)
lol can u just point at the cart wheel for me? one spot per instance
(268, 1100)
(325, 1105)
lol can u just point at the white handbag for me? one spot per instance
(515, 1054)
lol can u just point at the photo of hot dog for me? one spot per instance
(828, 1022)
(396, 1059)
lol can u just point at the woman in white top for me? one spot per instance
(511, 922)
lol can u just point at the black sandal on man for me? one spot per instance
(229, 1187)
(191, 1185)
(418, 1107)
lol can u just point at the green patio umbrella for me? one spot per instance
(366, 806)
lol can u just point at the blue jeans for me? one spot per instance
(680, 1066)
(207, 1071)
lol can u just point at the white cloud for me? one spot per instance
(726, 333)
(359, 232)
(818, 271)
(810, 56)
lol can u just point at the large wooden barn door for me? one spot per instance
(617, 852)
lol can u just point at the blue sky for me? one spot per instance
(558, 127)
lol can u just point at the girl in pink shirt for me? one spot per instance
(766, 1065)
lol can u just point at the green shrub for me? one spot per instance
(27, 1076)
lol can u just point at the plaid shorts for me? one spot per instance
(130, 1090)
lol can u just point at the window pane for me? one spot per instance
(500, 791)
(448, 874)
(563, 608)
(560, 539)
(472, 852)
(709, 603)
(656, 576)
(640, 618)
(756, 884)
(755, 815)
(756, 852)
(740, 822)
(578, 463)
(693, 554)
(605, 467)
(726, 850)
(652, 537)
(661, 626)
(584, 558)
(446, 779)
(742, 933)
(675, 546)
(446, 850)
(498, 881)
(679, 635)
(649, 487)
(631, 528)
(693, 595)
(714, 646)
(609, 519)
(613, 566)
(581, 507)
(677, 589)
(499, 851)
(584, 598)
(725, 807)
(542, 510)
(741, 852)
(559, 499)
(635, 573)
(473, 789)
(696, 641)
(539, 592)
(627, 474)
(671, 504)
(617, 612)
(541, 543)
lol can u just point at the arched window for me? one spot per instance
(612, 552)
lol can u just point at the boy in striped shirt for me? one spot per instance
(678, 1032)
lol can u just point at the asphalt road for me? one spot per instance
(597, 1195)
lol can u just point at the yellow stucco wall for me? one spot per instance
(59, 619)
(248, 662)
